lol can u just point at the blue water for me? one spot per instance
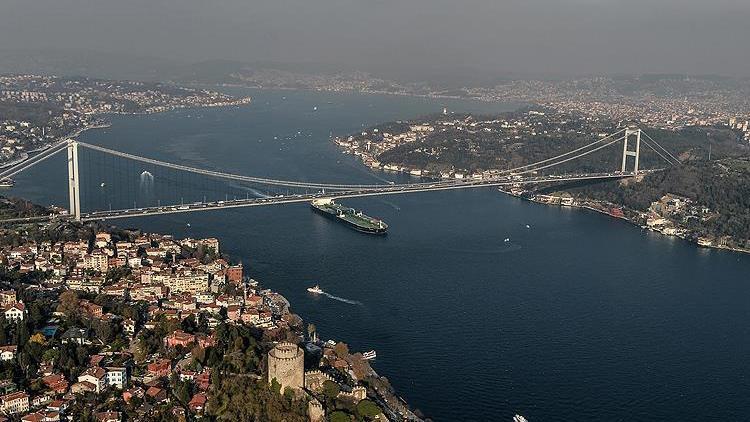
(579, 317)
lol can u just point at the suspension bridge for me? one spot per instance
(268, 191)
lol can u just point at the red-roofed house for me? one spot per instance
(15, 312)
(234, 274)
(96, 376)
(108, 417)
(233, 312)
(179, 338)
(8, 353)
(160, 368)
(198, 403)
(157, 394)
(56, 383)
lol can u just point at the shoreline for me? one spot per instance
(627, 220)
(105, 124)
(375, 92)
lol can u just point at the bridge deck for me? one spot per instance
(290, 199)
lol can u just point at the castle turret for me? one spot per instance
(315, 411)
(286, 363)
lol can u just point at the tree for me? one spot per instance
(69, 303)
(339, 416)
(360, 366)
(141, 351)
(199, 354)
(36, 314)
(104, 331)
(246, 399)
(275, 386)
(22, 333)
(3, 331)
(50, 355)
(330, 389)
(367, 409)
(341, 349)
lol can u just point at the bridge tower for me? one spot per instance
(73, 181)
(627, 153)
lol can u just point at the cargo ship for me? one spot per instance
(349, 216)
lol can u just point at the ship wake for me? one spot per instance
(341, 299)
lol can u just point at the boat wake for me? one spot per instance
(341, 299)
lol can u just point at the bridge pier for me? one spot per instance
(626, 153)
(73, 181)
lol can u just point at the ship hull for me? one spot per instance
(362, 229)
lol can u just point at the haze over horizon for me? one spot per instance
(537, 36)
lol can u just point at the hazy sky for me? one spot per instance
(544, 36)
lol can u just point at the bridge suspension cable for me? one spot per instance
(571, 158)
(34, 160)
(677, 160)
(665, 158)
(230, 176)
(513, 170)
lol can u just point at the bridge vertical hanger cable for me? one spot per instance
(513, 170)
(662, 148)
(665, 158)
(571, 158)
(83, 176)
(36, 159)
(216, 184)
(275, 182)
(131, 182)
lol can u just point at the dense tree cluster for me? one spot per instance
(36, 113)
(723, 186)
(481, 143)
(242, 398)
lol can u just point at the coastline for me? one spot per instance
(372, 92)
(105, 124)
(626, 219)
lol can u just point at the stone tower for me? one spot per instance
(286, 363)
(315, 411)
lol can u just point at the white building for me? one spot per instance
(117, 377)
(8, 353)
(13, 403)
(15, 312)
(96, 376)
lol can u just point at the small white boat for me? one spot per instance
(519, 418)
(528, 227)
(507, 239)
(103, 184)
(369, 355)
(315, 290)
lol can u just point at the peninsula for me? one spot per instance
(39, 111)
(703, 200)
(102, 323)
